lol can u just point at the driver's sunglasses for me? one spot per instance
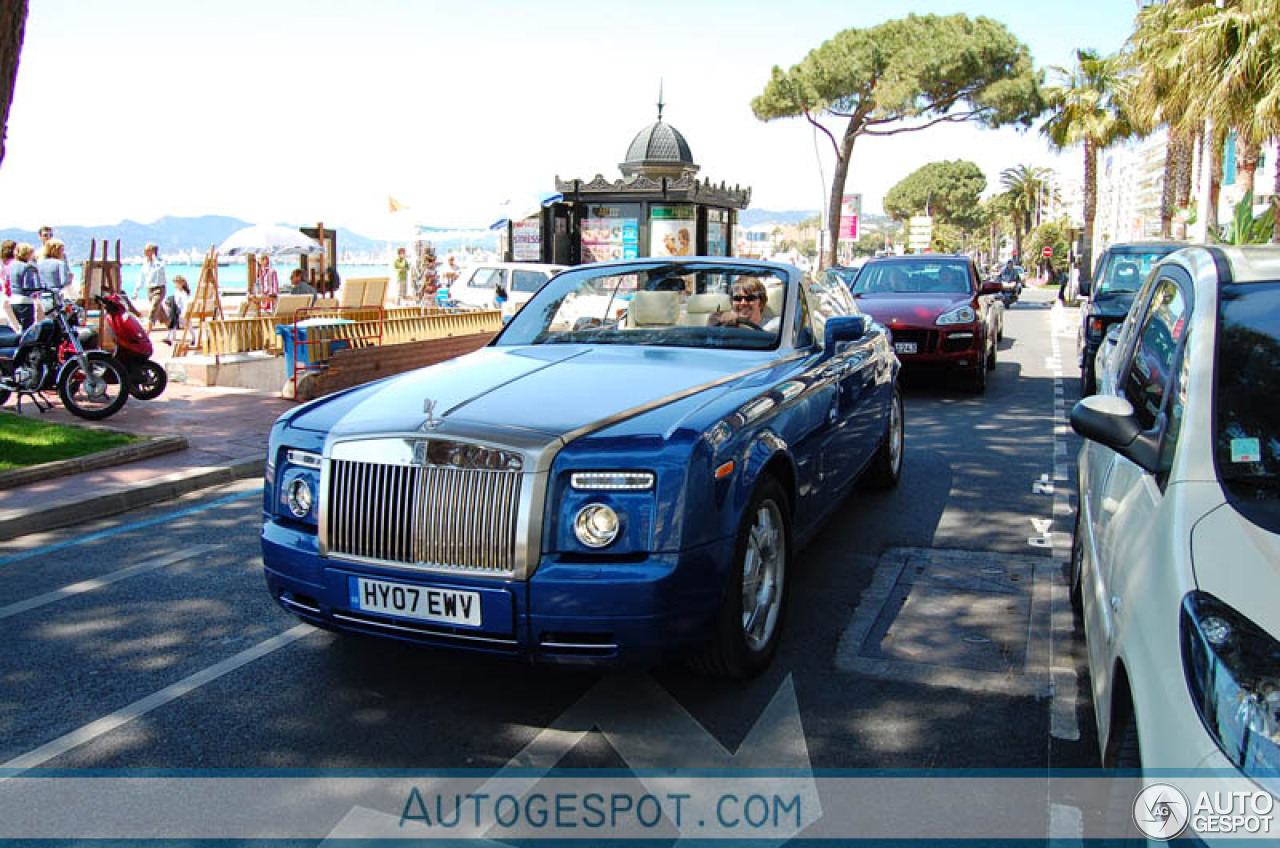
(745, 297)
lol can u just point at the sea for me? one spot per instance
(232, 279)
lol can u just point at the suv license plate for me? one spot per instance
(424, 603)
(904, 347)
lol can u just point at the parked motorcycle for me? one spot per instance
(57, 351)
(147, 379)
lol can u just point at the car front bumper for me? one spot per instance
(640, 611)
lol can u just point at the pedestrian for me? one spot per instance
(46, 235)
(298, 283)
(401, 267)
(268, 284)
(6, 289)
(177, 304)
(151, 280)
(24, 283)
(52, 266)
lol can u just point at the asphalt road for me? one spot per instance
(928, 629)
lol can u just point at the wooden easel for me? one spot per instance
(100, 276)
(205, 305)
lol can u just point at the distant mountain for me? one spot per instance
(755, 217)
(173, 235)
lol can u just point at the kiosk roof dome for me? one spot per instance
(659, 142)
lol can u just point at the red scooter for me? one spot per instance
(133, 347)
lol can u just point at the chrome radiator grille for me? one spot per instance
(424, 515)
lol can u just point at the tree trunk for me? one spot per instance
(1216, 140)
(1090, 207)
(837, 189)
(1017, 238)
(1184, 165)
(1247, 167)
(13, 23)
(1168, 190)
(1275, 197)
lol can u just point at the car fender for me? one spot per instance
(766, 453)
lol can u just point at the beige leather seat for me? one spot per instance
(653, 309)
(774, 303)
(700, 307)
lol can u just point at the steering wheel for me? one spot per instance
(750, 325)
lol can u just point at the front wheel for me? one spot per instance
(97, 394)
(148, 380)
(754, 603)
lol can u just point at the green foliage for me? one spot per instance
(1244, 228)
(1055, 234)
(905, 75)
(950, 191)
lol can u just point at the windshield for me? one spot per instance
(906, 277)
(1124, 272)
(1247, 417)
(678, 305)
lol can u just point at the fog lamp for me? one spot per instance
(298, 497)
(596, 525)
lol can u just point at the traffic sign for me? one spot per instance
(1046, 252)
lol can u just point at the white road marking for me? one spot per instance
(105, 580)
(141, 707)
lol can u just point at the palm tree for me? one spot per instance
(13, 20)
(1087, 107)
(1226, 52)
(1023, 184)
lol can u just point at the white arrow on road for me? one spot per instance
(651, 731)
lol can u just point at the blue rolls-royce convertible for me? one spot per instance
(622, 475)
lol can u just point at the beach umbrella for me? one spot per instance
(270, 239)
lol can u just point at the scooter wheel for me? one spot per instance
(148, 380)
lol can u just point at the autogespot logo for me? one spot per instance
(1160, 811)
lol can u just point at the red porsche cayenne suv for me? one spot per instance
(938, 308)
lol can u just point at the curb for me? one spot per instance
(92, 462)
(21, 522)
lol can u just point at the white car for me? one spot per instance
(478, 285)
(1176, 556)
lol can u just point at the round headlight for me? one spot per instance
(596, 525)
(299, 497)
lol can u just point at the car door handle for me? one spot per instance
(1110, 504)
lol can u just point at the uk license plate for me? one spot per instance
(423, 603)
(904, 347)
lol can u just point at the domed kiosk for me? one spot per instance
(658, 208)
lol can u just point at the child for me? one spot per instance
(178, 305)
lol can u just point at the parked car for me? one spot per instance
(1118, 274)
(479, 284)
(941, 313)
(1176, 554)
(591, 488)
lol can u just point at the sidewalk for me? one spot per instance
(226, 439)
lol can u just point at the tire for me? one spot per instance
(991, 357)
(886, 466)
(147, 380)
(753, 607)
(1117, 815)
(94, 399)
(1075, 578)
(1088, 379)
(978, 379)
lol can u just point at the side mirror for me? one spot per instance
(843, 330)
(989, 287)
(1111, 420)
(1085, 286)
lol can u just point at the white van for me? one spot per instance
(478, 285)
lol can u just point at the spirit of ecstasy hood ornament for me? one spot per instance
(429, 409)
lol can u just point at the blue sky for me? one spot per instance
(291, 111)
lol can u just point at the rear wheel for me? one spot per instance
(991, 357)
(149, 380)
(754, 603)
(96, 394)
(978, 378)
(1088, 379)
(1077, 568)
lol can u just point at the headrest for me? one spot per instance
(699, 303)
(1125, 269)
(653, 308)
